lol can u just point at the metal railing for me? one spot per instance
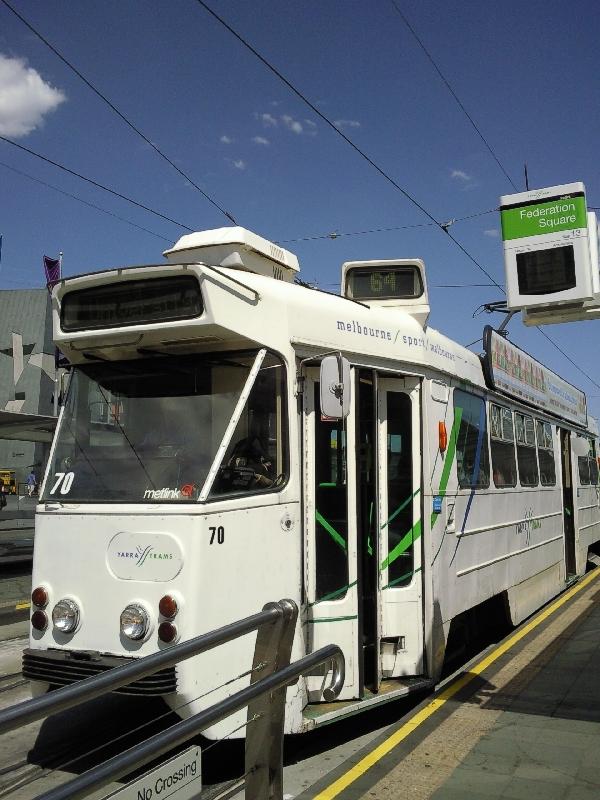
(271, 674)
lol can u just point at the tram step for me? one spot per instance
(316, 714)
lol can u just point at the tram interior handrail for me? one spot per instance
(265, 698)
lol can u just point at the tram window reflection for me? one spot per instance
(588, 467)
(546, 453)
(526, 450)
(148, 430)
(472, 456)
(502, 445)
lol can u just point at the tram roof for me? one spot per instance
(245, 307)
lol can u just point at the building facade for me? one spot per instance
(27, 373)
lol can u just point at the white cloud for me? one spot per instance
(24, 97)
(239, 164)
(226, 139)
(292, 124)
(346, 123)
(460, 175)
(260, 140)
(493, 233)
(311, 127)
(268, 120)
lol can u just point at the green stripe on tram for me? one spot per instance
(401, 507)
(333, 595)
(407, 540)
(337, 538)
(402, 578)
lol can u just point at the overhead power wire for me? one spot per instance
(95, 183)
(370, 161)
(315, 110)
(569, 359)
(347, 139)
(85, 202)
(451, 90)
(339, 235)
(119, 113)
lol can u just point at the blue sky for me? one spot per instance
(526, 72)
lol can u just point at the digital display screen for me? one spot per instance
(132, 303)
(368, 283)
(546, 271)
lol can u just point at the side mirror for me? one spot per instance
(335, 386)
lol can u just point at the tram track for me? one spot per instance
(12, 681)
(12, 686)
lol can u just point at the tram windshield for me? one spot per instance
(171, 430)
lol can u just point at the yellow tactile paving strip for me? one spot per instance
(432, 761)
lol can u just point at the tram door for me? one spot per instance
(568, 502)
(361, 552)
(400, 543)
(330, 557)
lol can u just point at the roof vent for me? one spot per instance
(235, 248)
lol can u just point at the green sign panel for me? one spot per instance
(541, 218)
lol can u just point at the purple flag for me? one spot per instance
(52, 270)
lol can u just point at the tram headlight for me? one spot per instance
(134, 621)
(65, 615)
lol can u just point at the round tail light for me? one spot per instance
(167, 632)
(39, 620)
(39, 597)
(168, 606)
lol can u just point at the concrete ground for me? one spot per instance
(527, 727)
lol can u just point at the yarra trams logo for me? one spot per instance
(141, 554)
(144, 555)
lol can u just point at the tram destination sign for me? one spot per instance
(115, 305)
(511, 370)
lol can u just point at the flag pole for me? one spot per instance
(60, 257)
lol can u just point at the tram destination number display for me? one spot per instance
(385, 284)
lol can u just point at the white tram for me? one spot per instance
(194, 476)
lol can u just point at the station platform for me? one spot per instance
(522, 721)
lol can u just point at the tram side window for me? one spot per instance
(504, 463)
(331, 504)
(588, 467)
(472, 456)
(526, 455)
(545, 446)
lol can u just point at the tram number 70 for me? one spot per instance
(217, 533)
